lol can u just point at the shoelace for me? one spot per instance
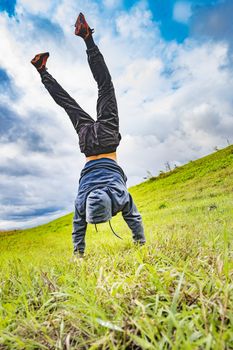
(111, 229)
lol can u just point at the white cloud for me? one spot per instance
(34, 6)
(111, 4)
(136, 24)
(182, 11)
(174, 101)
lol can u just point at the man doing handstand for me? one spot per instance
(102, 189)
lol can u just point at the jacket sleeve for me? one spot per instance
(134, 220)
(79, 231)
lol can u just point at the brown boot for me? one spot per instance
(82, 28)
(39, 61)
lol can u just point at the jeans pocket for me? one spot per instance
(107, 136)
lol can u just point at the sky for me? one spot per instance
(171, 64)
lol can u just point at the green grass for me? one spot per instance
(174, 293)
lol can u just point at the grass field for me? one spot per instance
(174, 293)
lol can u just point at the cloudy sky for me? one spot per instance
(171, 62)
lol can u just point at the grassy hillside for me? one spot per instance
(174, 293)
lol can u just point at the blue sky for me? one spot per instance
(9, 6)
(171, 65)
(162, 12)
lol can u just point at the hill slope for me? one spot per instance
(176, 292)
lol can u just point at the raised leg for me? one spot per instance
(107, 112)
(106, 128)
(77, 115)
